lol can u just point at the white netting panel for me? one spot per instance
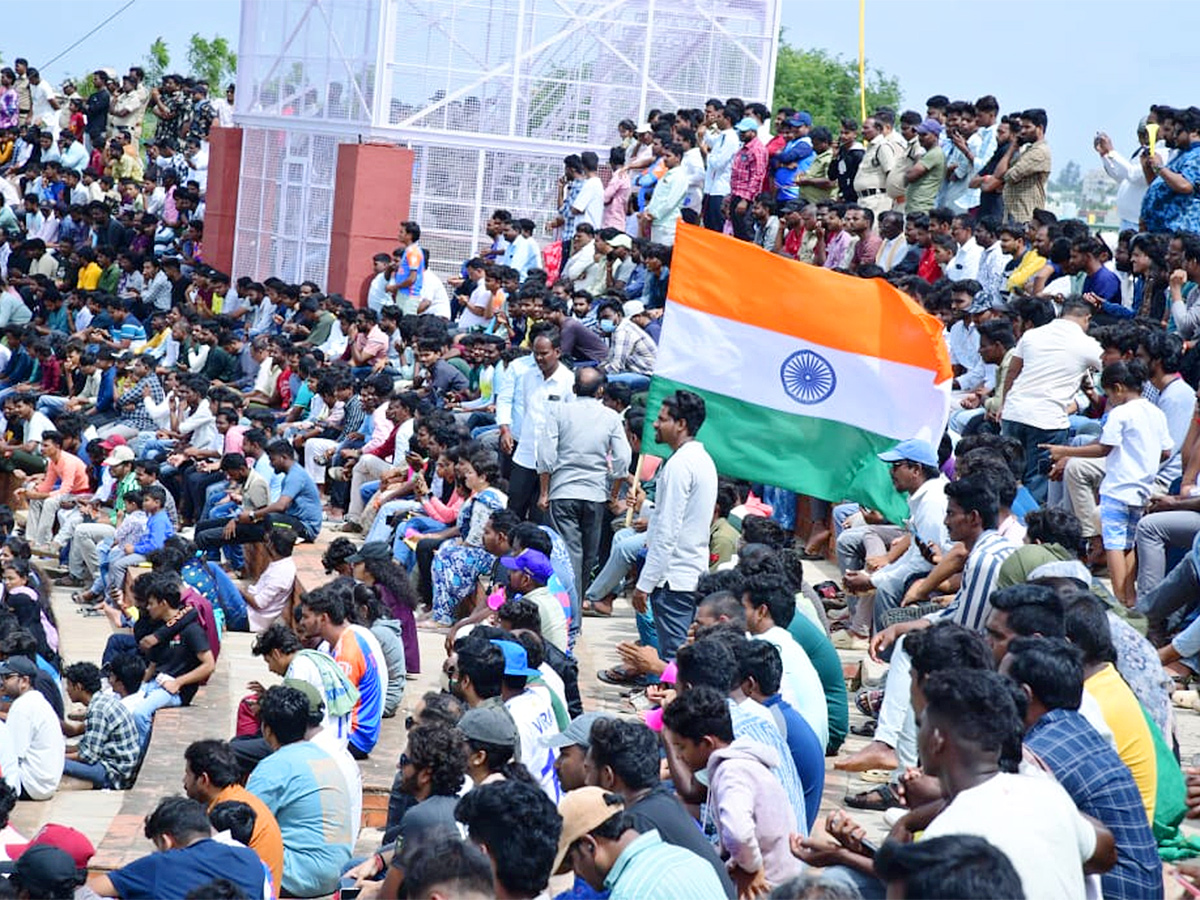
(285, 205)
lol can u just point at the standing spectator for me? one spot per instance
(748, 169)
(1043, 378)
(549, 383)
(1128, 174)
(721, 148)
(584, 446)
(1024, 172)
(845, 164)
(924, 177)
(97, 110)
(677, 548)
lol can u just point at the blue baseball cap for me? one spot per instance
(930, 126)
(800, 118)
(516, 662)
(747, 124)
(533, 563)
(911, 451)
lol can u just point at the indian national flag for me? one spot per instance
(807, 374)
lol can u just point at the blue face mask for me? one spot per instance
(608, 326)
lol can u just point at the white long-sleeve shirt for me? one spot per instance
(1131, 182)
(677, 547)
(534, 394)
(720, 163)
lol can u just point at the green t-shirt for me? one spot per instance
(922, 193)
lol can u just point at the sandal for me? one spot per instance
(620, 676)
(866, 729)
(592, 611)
(78, 597)
(878, 799)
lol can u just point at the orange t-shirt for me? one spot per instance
(266, 841)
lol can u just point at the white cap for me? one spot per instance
(633, 308)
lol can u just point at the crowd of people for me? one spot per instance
(173, 433)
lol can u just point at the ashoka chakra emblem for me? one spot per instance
(807, 377)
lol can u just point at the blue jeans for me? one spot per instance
(152, 699)
(627, 546)
(233, 552)
(673, 614)
(1180, 588)
(380, 529)
(153, 448)
(1037, 461)
(212, 496)
(93, 772)
(404, 554)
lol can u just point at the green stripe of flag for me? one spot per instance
(818, 457)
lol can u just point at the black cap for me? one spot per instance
(18, 665)
(376, 550)
(43, 870)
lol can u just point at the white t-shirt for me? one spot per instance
(534, 715)
(1034, 822)
(1053, 360)
(481, 296)
(8, 760)
(801, 685)
(38, 742)
(433, 290)
(305, 669)
(1137, 432)
(38, 425)
(590, 202)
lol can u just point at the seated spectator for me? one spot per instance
(211, 776)
(603, 848)
(33, 728)
(187, 857)
(518, 828)
(178, 666)
(109, 747)
(267, 599)
(303, 788)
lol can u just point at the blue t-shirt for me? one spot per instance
(306, 502)
(807, 753)
(173, 874)
(304, 788)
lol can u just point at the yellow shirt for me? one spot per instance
(1031, 264)
(1135, 744)
(89, 277)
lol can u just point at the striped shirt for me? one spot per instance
(972, 605)
(651, 869)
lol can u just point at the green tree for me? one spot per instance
(156, 61)
(826, 85)
(1070, 177)
(214, 61)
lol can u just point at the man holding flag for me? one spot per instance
(677, 547)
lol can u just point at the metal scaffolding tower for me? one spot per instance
(490, 95)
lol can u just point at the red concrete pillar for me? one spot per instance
(221, 200)
(372, 192)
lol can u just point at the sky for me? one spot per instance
(1093, 66)
(1063, 55)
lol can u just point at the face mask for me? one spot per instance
(608, 326)
(701, 777)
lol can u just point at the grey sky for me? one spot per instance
(952, 47)
(1092, 66)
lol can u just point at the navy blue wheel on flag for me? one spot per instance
(807, 377)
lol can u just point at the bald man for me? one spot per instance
(584, 443)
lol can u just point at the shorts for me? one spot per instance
(1118, 523)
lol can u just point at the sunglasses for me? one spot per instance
(404, 760)
(409, 722)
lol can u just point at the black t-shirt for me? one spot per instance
(660, 810)
(845, 167)
(180, 654)
(429, 817)
(581, 344)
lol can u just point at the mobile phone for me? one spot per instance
(870, 848)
